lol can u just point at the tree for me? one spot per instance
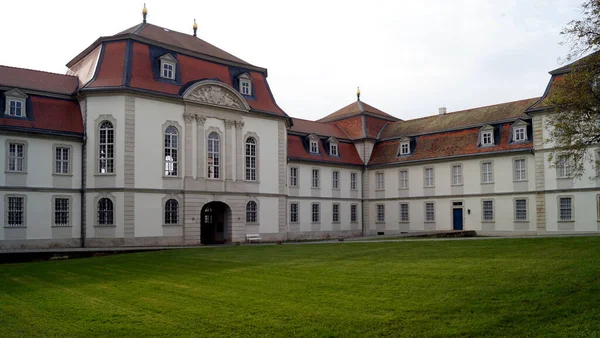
(574, 126)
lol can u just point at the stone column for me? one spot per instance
(229, 149)
(239, 151)
(200, 160)
(188, 118)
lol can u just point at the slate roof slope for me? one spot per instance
(38, 80)
(459, 119)
(357, 108)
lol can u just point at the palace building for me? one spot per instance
(155, 137)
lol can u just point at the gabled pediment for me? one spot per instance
(245, 76)
(313, 137)
(168, 58)
(332, 140)
(404, 139)
(215, 93)
(520, 123)
(487, 127)
(16, 93)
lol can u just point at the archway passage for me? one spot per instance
(215, 221)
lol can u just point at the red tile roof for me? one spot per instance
(50, 114)
(458, 120)
(373, 126)
(37, 80)
(298, 151)
(357, 108)
(352, 126)
(453, 143)
(110, 73)
(318, 128)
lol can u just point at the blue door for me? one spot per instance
(457, 219)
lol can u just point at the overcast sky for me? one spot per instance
(408, 57)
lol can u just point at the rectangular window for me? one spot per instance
(335, 213)
(429, 212)
(353, 213)
(333, 149)
(315, 178)
(404, 149)
(314, 147)
(352, 181)
(520, 210)
(487, 138)
(167, 70)
(403, 179)
(520, 134)
(293, 177)
(16, 157)
(61, 211)
(488, 210)
(457, 177)
(293, 212)
(428, 177)
(16, 211)
(564, 167)
(316, 214)
(335, 179)
(403, 212)
(380, 213)
(15, 108)
(62, 158)
(487, 175)
(379, 179)
(245, 85)
(565, 212)
(520, 170)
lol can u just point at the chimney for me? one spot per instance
(442, 111)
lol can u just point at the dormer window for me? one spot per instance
(520, 134)
(404, 148)
(313, 144)
(15, 103)
(168, 67)
(486, 136)
(333, 147)
(246, 84)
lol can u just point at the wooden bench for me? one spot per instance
(253, 237)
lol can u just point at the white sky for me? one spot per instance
(408, 57)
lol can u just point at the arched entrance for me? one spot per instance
(215, 223)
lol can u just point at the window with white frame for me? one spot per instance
(380, 213)
(428, 179)
(250, 159)
(404, 212)
(245, 87)
(520, 170)
(294, 212)
(62, 158)
(487, 138)
(520, 209)
(16, 156)
(403, 179)
(105, 212)
(565, 209)
(457, 176)
(15, 211)
(520, 134)
(251, 210)
(333, 149)
(16, 108)
(335, 213)
(316, 213)
(61, 211)
(335, 179)
(353, 213)
(487, 175)
(171, 151)
(404, 148)
(293, 177)
(167, 70)
(352, 181)
(171, 212)
(214, 155)
(564, 167)
(314, 146)
(315, 178)
(488, 210)
(106, 148)
(429, 212)
(380, 185)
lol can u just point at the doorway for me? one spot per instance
(214, 223)
(457, 218)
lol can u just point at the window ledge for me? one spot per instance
(335, 188)
(428, 186)
(487, 183)
(428, 221)
(338, 222)
(520, 181)
(59, 174)
(111, 174)
(172, 225)
(570, 221)
(380, 189)
(356, 222)
(253, 181)
(61, 226)
(380, 222)
(564, 178)
(521, 221)
(252, 223)
(457, 185)
(15, 226)
(15, 172)
(353, 189)
(315, 222)
(404, 222)
(294, 222)
(105, 225)
(403, 188)
(171, 177)
(482, 221)
(317, 188)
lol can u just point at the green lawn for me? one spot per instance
(505, 287)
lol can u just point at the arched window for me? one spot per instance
(213, 161)
(251, 212)
(171, 149)
(106, 148)
(105, 212)
(250, 159)
(172, 212)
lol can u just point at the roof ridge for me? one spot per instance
(39, 71)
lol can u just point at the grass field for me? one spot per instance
(506, 287)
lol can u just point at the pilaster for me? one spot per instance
(239, 151)
(200, 139)
(229, 149)
(129, 172)
(189, 141)
(540, 179)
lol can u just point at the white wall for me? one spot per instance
(325, 174)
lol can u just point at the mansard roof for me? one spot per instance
(37, 80)
(318, 128)
(298, 151)
(358, 108)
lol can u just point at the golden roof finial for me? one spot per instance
(358, 93)
(144, 12)
(195, 27)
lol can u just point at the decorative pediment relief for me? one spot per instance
(215, 93)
